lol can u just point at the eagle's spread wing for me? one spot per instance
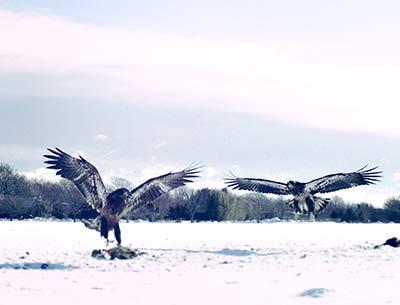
(83, 174)
(257, 185)
(155, 187)
(335, 182)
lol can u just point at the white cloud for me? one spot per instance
(42, 173)
(18, 152)
(156, 170)
(207, 183)
(160, 144)
(344, 82)
(376, 195)
(396, 179)
(101, 137)
(236, 168)
(209, 172)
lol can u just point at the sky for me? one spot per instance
(269, 89)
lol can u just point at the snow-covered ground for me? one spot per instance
(201, 263)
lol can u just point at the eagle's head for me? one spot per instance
(295, 187)
(291, 184)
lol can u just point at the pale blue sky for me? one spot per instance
(272, 89)
(245, 17)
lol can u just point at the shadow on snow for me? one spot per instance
(224, 251)
(36, 266)
(315, 292)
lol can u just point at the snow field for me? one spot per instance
(201, 263)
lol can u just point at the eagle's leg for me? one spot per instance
(104, 228)
(310, 204)
(117, 233)
(294, 204)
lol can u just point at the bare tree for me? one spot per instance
(8, 180)
(393, 204)
(184, 197)
(392, 208)
(118, 182)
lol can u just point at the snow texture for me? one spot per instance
(48, 262)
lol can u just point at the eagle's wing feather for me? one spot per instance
(83, 174)
(257, 185)
(335, 182)
(155, 187)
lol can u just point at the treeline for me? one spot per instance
(210, 204)
(22, 198)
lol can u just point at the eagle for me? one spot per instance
(115, 205)
(304, 200)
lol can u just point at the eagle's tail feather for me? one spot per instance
(320, 204)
